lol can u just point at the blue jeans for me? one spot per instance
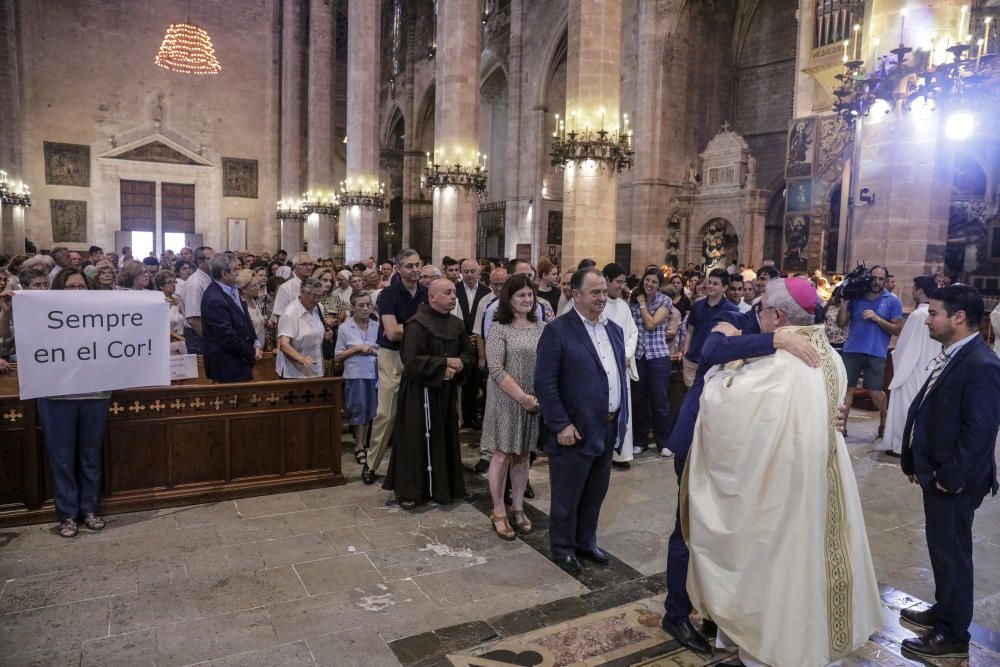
(193, 341)
(650, 405)
(74, 438)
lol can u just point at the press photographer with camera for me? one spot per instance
(875, 315)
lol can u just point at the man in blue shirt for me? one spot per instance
(396, 304)
(873, 320)
(700, 320)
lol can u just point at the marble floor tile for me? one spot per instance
(59, 627)
(72, 586)
(124, 650)
(352, 648)
(191, 642)
(295, 654)
(337, 573)
(278, 503)
(221, 561)
(296, 549)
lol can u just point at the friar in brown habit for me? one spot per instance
(435, 352)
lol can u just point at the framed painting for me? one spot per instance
(801, 148)
(796, 240)
(69, 221)
(239, 178)
(799, 196)
(67, 164)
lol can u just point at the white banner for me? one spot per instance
(77, 342)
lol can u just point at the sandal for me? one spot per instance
(93, 522)
(361, 456)
(68, 528)
(522, 525)
(501, 526)
(408, 504)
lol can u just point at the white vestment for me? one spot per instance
(779, 552)
(911, 358)
(617, 311)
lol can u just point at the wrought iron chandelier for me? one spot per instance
(613, 148)
(370, 195)
(440, 172)
(308, 204)
(15, 196)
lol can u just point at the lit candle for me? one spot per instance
(846, 44)
(902, 24)
(979, 51)
(986, 40)
(875, 43)
(856, 50)
(602, 118)
(961, 21)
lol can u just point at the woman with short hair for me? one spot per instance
(249, 283)
(104, 276)
(301, 332)
(133, 276)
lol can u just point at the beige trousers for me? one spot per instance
(390, 372)
(690, 371)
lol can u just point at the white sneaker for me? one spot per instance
(637, 450)
(666, 453)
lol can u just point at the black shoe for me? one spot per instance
(597, 555)
(621, 465)
(889, 452)
(936, 645)
(686, 635)
(921, 619)
(709, 628)
(482, 465)
(528, 491)
(568, 564)
(367, 475)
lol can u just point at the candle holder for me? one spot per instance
(363, 199)
(19, 196)
(455, 175)
(308, 204)
(613, 150)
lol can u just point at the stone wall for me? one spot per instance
(88, 78)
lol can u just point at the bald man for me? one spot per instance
(426, 462)
(302, 268)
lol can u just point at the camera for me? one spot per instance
(855, 284)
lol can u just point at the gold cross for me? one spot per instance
(178, 404)
(116, 409)
(254, 399)
(272, 398)
(235, 400)
(157, 406)
(197, 403)
(136, 407)
(217, 403)
(13, 415)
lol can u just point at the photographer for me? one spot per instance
(874, 317)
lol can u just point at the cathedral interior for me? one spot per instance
(812, 133)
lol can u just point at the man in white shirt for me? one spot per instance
(735, 293)
(302, 267)
(617, 310)
(194, 289)
(60, 256)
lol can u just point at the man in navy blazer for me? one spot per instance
(580, 385)
(948, 449)
(230, 342)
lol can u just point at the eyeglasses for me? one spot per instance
(74, 287)
(309, 264)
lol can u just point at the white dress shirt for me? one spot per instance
(287, 293)
(305, 330)
(602, 343)
(194, 289)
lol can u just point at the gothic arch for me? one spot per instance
(394, 116)
(422, 125)
(554, 55)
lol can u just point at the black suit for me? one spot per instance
(470, 390)
(229, 337)
(949, 440)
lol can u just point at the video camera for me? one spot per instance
(855, 284)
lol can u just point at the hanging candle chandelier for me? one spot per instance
(187, 49)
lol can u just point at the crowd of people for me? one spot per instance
(571, 363)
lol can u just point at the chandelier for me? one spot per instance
(370, 195)
(309, 203)
(15, 196)
(441, 172)
(601, 145)
(953, 76)
(187, 49)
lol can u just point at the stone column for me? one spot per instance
(361, 223)
(593, 96)
(320, 228)
(291, 154)
(456, 125)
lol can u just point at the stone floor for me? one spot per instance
(342, 576)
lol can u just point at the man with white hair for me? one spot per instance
(302, 268)
(773, 516)
(428, 274)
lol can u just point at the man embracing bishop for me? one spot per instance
(770, 505)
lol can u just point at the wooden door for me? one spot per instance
(138, 201)
(177, 207)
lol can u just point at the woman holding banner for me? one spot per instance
(74, 433)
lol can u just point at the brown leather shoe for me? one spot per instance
(921, 619)
(936, 645)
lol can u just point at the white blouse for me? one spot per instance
(305, 333)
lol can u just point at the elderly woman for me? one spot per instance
(650, 406)
(103, 277)
(301, 333)
(74, 435)
(133, 276)
(249, 284)
(356, 350)
(166, 282)
(344, 289)
(510, 420)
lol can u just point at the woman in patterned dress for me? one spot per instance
(511, 420)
